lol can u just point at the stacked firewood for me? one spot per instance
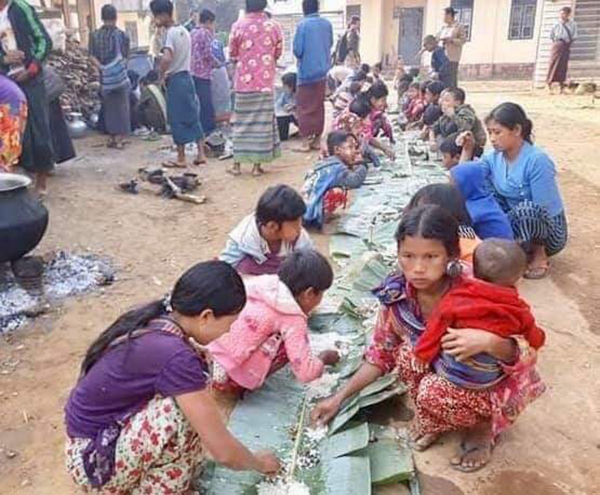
(80, 78)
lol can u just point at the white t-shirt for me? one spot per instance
(179, 42)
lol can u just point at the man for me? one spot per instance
(562, 35)
(193, 22)
(25, 45)
(106, 45)
(353, 43)
(453, 36)
(182, 102)
(312, 46)
(203, 62)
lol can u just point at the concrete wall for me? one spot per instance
(488, 53)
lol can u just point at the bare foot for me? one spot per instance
(257, 171)
(235, 170)
(422, 441)
(475, 450)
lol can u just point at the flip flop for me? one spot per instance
(477, 467)
(537, 272)
(171, 164)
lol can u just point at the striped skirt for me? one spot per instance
(255, 133)
(531, 223)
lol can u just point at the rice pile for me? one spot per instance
(281, 487)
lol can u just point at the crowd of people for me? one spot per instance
(451, 321)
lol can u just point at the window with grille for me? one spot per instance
(464, 14)
(522, 19)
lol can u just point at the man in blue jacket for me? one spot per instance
(312, 47)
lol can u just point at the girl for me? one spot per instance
(428, 247)
(141, 412)
(272, 329)
(379, 123)
(285, 106)
(523, 177)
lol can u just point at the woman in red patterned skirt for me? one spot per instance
(455, 393)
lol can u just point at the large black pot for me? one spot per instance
(23, 219)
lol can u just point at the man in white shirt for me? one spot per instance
(452, 36)
(563, 34)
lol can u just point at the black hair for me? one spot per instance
(207, 15)
(359, 76)
(213, 285)
(435, 88)
(108, 12)
(336, 138)
(366, 68)
(354, 87)
(279, 204)
(444, 195)
(378, 66)
(158, 7)
(310, 6)
(289, 79)
(256, 5)
(431, 114)
(360, 106)
(151, 77)
(449, 145)
(450, 11)
(304, 269)
(499, 261)
(415, 85)
(458, 94)
(511, 115)
(377, 90)
(134, 78)
(567, 10)
(430, 38)
(354, 19)
(430, 222)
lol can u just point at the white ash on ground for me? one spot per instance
(282, 487)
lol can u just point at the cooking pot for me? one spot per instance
(23, 219)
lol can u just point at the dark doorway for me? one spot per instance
(411, 35)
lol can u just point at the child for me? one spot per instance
(488, 218)
(440, 65)
(272, 329)
(285, 106)
(417, 104)
(377, 70)
(182, 103)
(344, 97)
(433, 92)
(489, 302)
(379, 122)
(445, 125)
(451, 152)
(322, 183)
(263, 239)
(141, 413)
(464, 117)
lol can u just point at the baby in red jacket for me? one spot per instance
(489, 302)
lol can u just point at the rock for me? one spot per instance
(10, 454)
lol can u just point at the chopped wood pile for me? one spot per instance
(80, 78)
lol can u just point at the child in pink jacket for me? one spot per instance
(272, 329)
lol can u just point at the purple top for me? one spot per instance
(123, 381)
(203, 58)
(11, 94)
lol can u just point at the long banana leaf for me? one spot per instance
(348, 475)
(346, 442)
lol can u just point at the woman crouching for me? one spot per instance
(141, 412)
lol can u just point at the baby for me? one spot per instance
(489, 302)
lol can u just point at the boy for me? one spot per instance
(464, 116)
(450, 151)
(338, 171)
(182, 103)
(440, 65)
(263, 239)
(285, 106)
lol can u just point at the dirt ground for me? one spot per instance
(553, 449)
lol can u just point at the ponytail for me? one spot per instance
(511, 115)
(213, 285)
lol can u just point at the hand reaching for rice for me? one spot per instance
(268, 462)
(325, 410)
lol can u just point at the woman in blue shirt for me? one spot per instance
(523, 177)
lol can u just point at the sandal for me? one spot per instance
(235, 171)
(537, 272)
(477, 465)
(257, 171)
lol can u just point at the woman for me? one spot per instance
(25, 45)
(255, 45)
(428, 247)
(13, 117)
(221, 85)
(523, 177)
(108, 44)
(141, 413)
